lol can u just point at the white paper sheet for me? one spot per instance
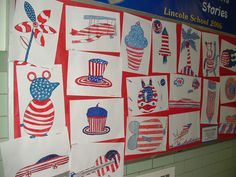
(94, 159)
(90, 29)
(96, 120)
(22, 157)
(146, 135)
(190, 51)
(210, 102)
(41, 100)
(227, 89)
(210, 54)
(43, 19)
(184, 128)
(135, 44)
(79, 71)
(147, 94)
(164, 52)
(227, 55)
(185, 91)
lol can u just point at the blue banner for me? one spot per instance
(215, 14)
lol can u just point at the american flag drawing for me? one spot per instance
(183, 132)
(51, 161)
(103, 164)
(96, 29)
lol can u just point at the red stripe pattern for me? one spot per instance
(135, 56)
(150, 135)
(53, 163)
(225, 58)
(97, 124)
(165, 51)
(39, 117)
(94, 32)
(44, 16)
(24, 27)
(111, 167)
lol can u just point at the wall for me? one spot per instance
(3, 102)
(218, 160)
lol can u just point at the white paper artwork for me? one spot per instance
(164, 46)
(35, 31)
(185, 91)
(97, 159)
(227, 89)
(38, 157)
(228, 55)
(96, 120)
(210, 102)
(184, 128)
(135, 44)
(91, 74)
(40, 100)
(189, 60)
(147, 94)
(146, 135)
(90, 29)
(210, 54)
(227, 120)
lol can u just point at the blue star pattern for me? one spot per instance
(41, 89)
(30, 11)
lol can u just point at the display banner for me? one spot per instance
(214, 14)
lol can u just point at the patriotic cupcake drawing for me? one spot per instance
(97, 117)
(135, 43)
(39, 114)
(95, 78)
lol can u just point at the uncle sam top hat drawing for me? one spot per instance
(95, 78)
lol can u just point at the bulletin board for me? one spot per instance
(160, 82)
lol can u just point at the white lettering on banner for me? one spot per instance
(217, 11)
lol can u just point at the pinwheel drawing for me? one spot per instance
(36, 26)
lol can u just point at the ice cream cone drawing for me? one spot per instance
(188, 42)
(36, 26)
(164, 50)
(135, 43)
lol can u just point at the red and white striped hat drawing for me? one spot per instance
(96, 68)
